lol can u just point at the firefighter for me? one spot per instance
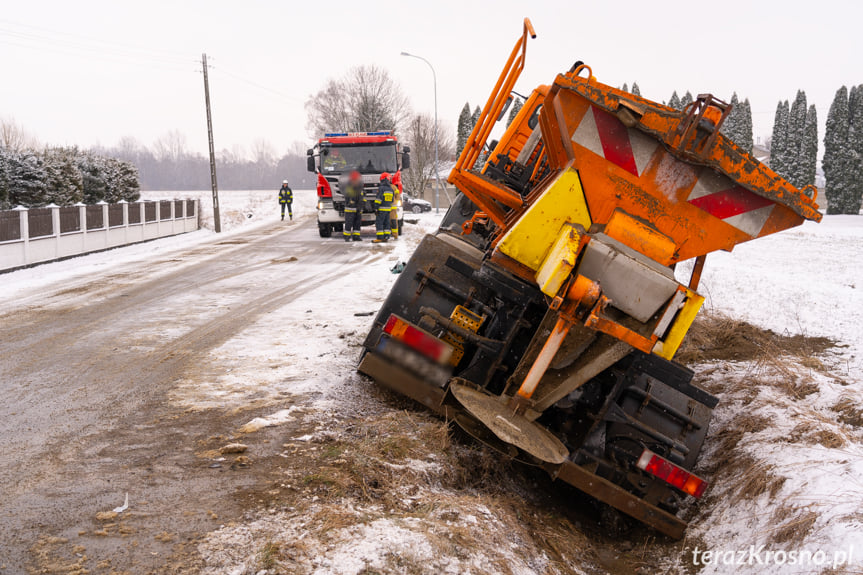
(394, 213)
(383, 206)
(353, 207)
(286, 198)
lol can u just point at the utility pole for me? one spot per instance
(217, 221)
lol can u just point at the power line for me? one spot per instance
(71, 39)
(255, 84)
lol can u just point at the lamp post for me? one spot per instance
(437, 176)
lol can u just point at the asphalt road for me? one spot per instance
(85, 372)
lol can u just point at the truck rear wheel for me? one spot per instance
(325, 230)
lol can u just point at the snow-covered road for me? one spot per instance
(125, 371)
(94, 350)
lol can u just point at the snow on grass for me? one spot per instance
(786, 441)
(326, 539)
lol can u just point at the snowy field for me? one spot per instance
(803, 439)
(806, 438)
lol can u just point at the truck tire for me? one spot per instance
(325, 230)
(338, 227)
(401, 224)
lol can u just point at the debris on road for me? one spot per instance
(233, 448)
(123, 507)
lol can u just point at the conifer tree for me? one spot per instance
(464, 128)
(635, 89)
(731, 126)
(779, 140)
(809, 149)
(793, 159)
(686, 100)
(836, 152)
(854, 169)
(745, 128)
(674, 101)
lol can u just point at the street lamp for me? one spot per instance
(437, 176)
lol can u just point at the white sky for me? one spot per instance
(92, 71)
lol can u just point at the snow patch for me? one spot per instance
(277, 418)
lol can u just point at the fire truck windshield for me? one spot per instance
(365, 158)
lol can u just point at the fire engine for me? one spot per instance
(336, 155)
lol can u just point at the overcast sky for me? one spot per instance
(92, 71)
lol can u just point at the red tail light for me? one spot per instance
(671, 473)
(324, 190)
(417, 339)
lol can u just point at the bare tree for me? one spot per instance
(419, 135)
(171, 146)
(297, 148)
(263, 151)
(365, 99)
(13, 136)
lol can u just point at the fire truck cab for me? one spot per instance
(336, 155)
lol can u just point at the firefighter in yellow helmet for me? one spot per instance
(383, 206)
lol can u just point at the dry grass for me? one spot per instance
(850, 413)
(758, 478)
(731, 434)
(269, 555)
(717, 337)
(793, 524)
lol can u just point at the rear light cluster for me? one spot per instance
(417, 339)
(671, 473)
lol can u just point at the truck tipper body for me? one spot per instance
(544, 315)
(338, 154)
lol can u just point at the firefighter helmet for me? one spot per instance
(385, 176)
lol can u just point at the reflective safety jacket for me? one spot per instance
(286, 195)
(384, 201)
(353, 197)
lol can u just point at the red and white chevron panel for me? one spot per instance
(606, 136)
(717, 195)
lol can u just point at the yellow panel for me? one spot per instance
(681, 325)
(532, 237)
(559, 263)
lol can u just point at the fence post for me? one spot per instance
(82, 217)
(55, 226)
(125, 205)
(24, 221)
(105, 223)
(125, 212)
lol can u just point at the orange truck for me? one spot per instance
(543, 317)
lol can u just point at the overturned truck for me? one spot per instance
(544, 315)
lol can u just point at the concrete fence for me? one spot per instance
(30, 236)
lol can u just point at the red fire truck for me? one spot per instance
(336, 155)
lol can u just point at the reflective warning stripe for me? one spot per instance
(720, 197)
(606, 136)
